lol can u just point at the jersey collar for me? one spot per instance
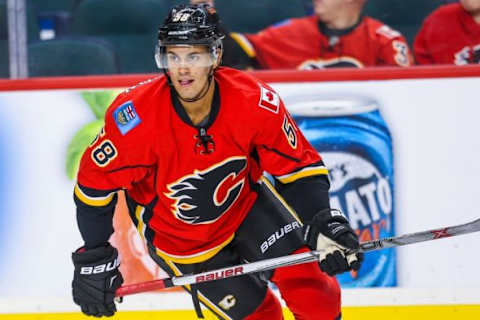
(337, 32)
(180, 110)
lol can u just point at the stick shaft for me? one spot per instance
(143, 287)
(218, 274)
(421, 236)
(311, 256)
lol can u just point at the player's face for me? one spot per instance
(327, 10)
(472, 6)
(188, 67)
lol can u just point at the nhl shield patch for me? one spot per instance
(126, 117)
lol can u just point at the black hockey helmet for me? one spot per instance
(188, 25)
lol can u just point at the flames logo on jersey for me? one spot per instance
(204, 196)
(340, 62)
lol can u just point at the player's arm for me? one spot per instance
(300, 174)
(95, 209)
(394, 49)
(239, 53)
(261, 45)
(302, 180)
(93, 286)
(106, 167)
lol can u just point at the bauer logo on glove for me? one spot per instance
(330, 233)
(101, 268)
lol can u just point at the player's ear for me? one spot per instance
(218, 61)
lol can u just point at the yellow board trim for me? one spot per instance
(437, 312)
(280, 198)
(94, 202)
(244, 44)
(302, 174)
(199, 257)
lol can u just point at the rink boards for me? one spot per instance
(392, 304)
(436, 167)
(359, 313)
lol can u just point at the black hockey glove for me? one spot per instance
(330, 233)
(95, 280)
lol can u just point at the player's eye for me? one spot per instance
(172, 58)
(193, 58)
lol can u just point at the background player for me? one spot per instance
(189, 149)
(450, 35)
(337, 35)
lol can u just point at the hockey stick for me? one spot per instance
(293, 259)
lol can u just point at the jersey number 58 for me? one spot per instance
(104, 153)
(289, 131)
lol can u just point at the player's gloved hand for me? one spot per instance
(95, 280)
(330, 232)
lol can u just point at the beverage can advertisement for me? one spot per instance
(354, 141)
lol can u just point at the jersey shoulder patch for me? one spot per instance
(269, 99)
(126, 117)
(388, 32)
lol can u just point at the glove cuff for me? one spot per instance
(327, 216)
(331, 223)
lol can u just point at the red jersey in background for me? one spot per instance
(299, 43)
(448, 36)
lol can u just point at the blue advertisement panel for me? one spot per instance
(356, 145)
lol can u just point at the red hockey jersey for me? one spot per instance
(298, 43)
(448, 36)
(199, 192)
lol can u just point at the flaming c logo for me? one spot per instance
(340, 62)
(204, 196)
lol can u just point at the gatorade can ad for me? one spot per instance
(354, 141)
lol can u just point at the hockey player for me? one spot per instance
(189, 148)
(450, 35)
(337, 35)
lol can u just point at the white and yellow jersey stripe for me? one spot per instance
(309, 171)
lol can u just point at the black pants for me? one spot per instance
(270, 229)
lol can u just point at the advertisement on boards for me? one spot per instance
(44, 138)
(355, 143)
(388, 144)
